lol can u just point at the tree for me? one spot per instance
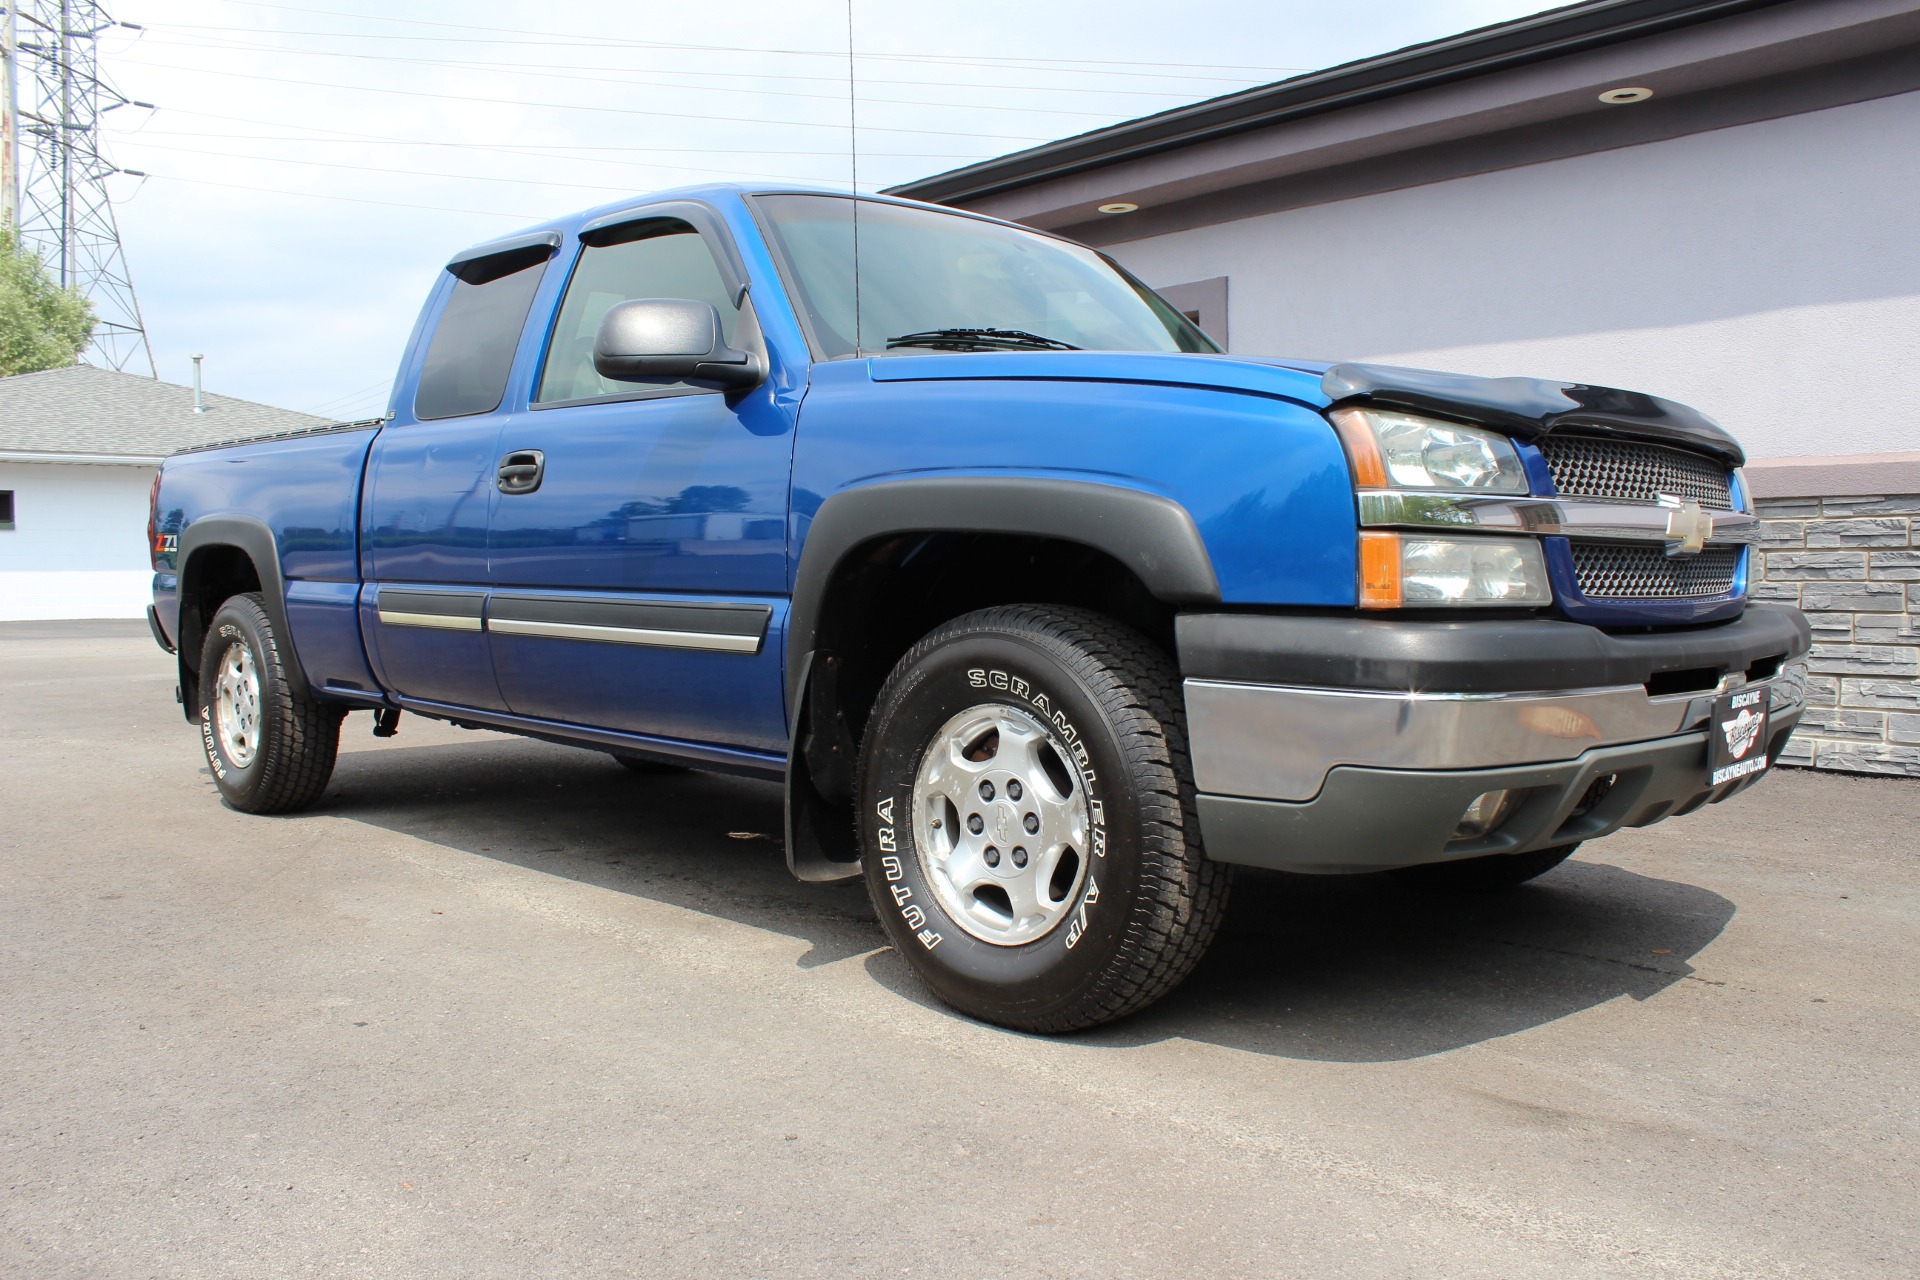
(42, 326)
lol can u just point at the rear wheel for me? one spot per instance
(1027, 822)
(1489, 874)
(271, 750)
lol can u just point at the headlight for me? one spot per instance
(1406, 570)
(1400, 451)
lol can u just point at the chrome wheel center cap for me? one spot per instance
(1006, 821)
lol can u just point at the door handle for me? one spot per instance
(521, 470)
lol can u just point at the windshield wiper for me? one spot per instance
(979, 340)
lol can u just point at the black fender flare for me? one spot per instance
(1152, 535)
(253, 538)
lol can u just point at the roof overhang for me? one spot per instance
(1534, 83)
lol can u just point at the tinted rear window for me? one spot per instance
(472, 349)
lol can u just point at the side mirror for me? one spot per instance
(671, 340)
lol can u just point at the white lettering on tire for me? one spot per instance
(214, 760)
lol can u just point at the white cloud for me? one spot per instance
(315, 162)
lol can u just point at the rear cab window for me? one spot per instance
(471, 353)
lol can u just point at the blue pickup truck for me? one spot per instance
(1047, 612)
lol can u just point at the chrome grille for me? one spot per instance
(1591, 467)
(1611, 571)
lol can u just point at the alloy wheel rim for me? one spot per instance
(1001, 824)
(236, 704)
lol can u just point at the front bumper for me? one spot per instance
(1344, 779)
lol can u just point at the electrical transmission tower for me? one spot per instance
(53, 179)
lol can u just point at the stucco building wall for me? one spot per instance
(1767, 273)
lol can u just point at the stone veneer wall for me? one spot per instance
(1853, 563)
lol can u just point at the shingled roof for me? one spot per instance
(81, 412)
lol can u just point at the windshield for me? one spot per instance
(940, 281)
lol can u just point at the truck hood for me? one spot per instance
(1530, 407)
(1286, 380)
(1524, 407)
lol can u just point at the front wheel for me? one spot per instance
(1027, 820)
(271, 750)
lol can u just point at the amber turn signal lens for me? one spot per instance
(1363, 449)
(1380, 571)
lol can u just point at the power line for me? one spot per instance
(722, 48)
(518, 149)
(341, 136)
(676, 71)
(568, 106)
(601, 45)
(526, 41)
(326, 407)
(320, 195)
(573, 77)
(473, 177)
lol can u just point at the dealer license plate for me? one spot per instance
(1737, 736)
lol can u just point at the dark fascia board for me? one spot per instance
(1893, 71)
(1511, 44)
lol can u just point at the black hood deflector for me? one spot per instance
(1530, 407)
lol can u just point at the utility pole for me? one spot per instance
(58, 176)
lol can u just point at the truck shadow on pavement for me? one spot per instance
(1367, 969)
(1336, 969)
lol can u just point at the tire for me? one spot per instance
(1490, 874)
(276, 754)
(1086, 716)
(645, 766)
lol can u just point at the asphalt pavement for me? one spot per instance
(497, 1008)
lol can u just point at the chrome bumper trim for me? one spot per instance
(1567, 517)
(1278, 743)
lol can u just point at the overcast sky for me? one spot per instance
(314, 164)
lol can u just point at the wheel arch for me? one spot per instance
(1133, 554)
(221, 557)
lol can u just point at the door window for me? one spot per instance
(472, 349)
(655, 258)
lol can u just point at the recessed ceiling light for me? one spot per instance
(1118, 206)
(1625, 94)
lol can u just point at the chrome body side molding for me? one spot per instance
(627, 635)
(710, 626)
(450, 610)
(436, 621)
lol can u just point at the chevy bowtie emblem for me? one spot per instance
(1688, 526)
